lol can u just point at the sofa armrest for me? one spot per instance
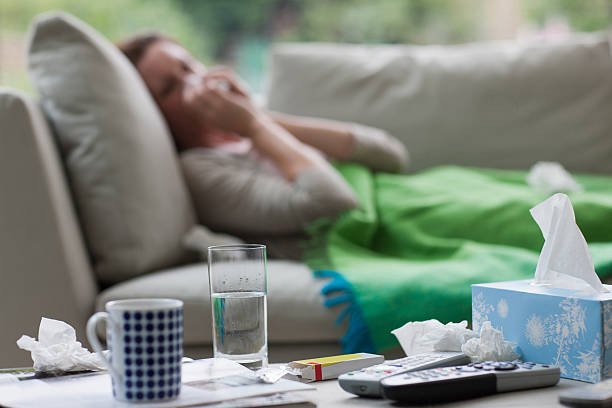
(43, 261)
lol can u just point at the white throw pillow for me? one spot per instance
(503, 105)
(130, 195)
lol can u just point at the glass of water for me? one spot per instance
(238, 289)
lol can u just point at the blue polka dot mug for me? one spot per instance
(145, 339)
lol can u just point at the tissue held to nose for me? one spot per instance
(57, 349)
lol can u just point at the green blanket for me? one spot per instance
(418, 242)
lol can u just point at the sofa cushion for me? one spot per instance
(130, 195)
(503, 105)
(295, 305)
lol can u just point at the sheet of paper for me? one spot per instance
(292, 399)
(205, 381)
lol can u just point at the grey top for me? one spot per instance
(244, 194)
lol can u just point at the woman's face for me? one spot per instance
(165, 67)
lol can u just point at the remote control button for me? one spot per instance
(477, 365)
(488, 367)
(506, 367)
(467, 369)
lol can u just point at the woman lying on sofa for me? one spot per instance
(253, 173)
(413, 247)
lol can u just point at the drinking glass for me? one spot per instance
(238, 290)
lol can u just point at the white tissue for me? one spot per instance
(565, 261)
(551, 177)
(431, 335)
(57, 349)
(490, 346)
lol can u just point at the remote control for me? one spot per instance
(473, 380)
(366, 382)
(588, 396)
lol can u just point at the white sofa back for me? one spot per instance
(501, 105)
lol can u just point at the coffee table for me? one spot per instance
(330, 395)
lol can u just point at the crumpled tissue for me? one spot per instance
(490, 346)
(432, 335)
(551, 177)
(57, 349)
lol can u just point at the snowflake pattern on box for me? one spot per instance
(607, 332)
(589, 366)
(565, 329)
(550, 326)
(502, 308)
(480, 311)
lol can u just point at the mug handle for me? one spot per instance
(92, 336)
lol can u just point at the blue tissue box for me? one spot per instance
(562, 327)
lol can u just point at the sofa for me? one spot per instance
(63, 254)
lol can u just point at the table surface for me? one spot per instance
(330, 395)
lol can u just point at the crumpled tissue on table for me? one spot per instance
(432, 335)
(551, 177)
(57, 349)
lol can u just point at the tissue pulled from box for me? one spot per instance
(551, 177)
(432, 335)
(490, 346)
(565, 260)
(57, 349)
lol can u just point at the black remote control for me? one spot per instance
(473, 380)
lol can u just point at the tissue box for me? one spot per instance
(563, 327)
(325, 368)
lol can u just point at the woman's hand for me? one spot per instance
(219, 108)
(237, 85)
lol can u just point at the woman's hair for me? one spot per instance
(134, 47)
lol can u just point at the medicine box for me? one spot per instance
(562, 327)
(325, 368)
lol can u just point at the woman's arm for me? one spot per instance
(347, 141)
(234, 112)
(337, 140)
(290, 155)
(332, 138)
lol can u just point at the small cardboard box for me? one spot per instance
(561, 327)
(325, 368)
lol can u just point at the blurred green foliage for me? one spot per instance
(113, 18)
(392, 21)
(239, 31)
(582, 15)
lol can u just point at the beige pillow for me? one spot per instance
(504, 105)
(130, 195)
